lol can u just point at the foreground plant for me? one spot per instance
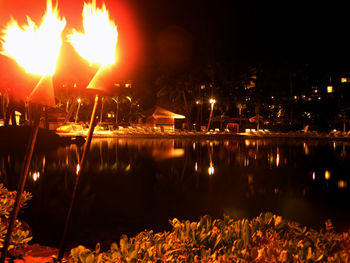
(21, 234)
(266, 238)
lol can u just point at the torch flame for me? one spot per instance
(36, 49)
(98, 42)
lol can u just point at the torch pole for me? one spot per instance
(20, 187)
(81, 165)
(210, 116)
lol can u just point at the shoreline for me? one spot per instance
(212, 135)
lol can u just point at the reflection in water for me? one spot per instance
(132, 184)
(210, 153)
(35, 175)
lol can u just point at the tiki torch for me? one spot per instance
(36, 49)
(97, 45)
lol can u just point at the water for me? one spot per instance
(134, 184)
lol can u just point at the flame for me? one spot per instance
(98, 42)
(34, 48)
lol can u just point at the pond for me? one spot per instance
(132, 184)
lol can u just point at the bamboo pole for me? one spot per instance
(81, 165)
(20, 188)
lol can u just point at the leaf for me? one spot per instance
(98, 248)
(309, 253)
(124, 243)
(283, 256)
(246, 233)
(319, 258)
(90, 258)
(114, 247)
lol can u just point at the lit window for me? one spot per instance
(330, 89)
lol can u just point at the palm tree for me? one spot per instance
(176, 90)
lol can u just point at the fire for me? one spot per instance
(35, 48)
(97, 43)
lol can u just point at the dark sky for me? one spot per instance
(239, 32)
(310, 31)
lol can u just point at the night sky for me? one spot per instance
(244, 30)
(236, 33)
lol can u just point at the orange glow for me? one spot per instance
(35, 48)
(167, 153)
(327, 175)
(211, 169)
(97, 44)
(36, 176)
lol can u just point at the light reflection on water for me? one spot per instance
(132, 184)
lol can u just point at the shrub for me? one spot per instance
(20, 235)
(266, 238)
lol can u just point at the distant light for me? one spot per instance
(272, 97)
(212, 101)
(127, 85)
(202, 86)
(277, 159)
(36, 176)
(295, 97)
(327, 175)
(343, 80)
(78, 100)
(75, 85)
(78, 169)
(329, 89)
(316, 90)
(313, 175)
(342, 184)
(196, 166)
(197, 102)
